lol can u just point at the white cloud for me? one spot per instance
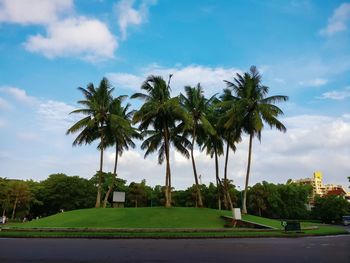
(67, 35)
(51, 115)
(312, 142)
(54, 116)
(3, 123)
(89, 39)
(279, 80)
(210, 78)
(312, 71)
(127, 15)
(28, 136)
(18, 94)
(126, 80)
(33, 11)
(337, 94)
(4, 104)
(4, 155)
(317, 82)
(338, 21)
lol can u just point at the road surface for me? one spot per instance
(306, 249)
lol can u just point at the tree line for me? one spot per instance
(215, 124)
(30, 199)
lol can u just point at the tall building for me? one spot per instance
(316, 182)
(318, 188)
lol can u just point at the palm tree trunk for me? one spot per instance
(14, 208)
(226, 159)
(225, 175)
(99, 187)
(244, 208)
(110, 188)
(227, 195)
(5, 205)
(227, 198)
(218, 182)
(199, 195)
(168, 174)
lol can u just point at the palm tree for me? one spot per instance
(196, 105)
(119, 133)
(231, 133)
(213, 144)
(96, 105)
(252, 110)
(162, 113)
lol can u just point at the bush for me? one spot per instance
(330, 209)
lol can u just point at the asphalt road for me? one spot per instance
(307, 249)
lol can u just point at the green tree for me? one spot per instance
(161, 112)
(119, 133)
(331, 208)
(231, 133)
(214, 145)
(197, 106)
(294, 198)
(66, 192)
(273, 201)
(157, 196)
(36, 203)
(253, 108)
(19, 194)
(4, 195)
(257, 199)
(286, 201)
(138, 193)
(210, 196)
(96, 105)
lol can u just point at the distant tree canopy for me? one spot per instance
(279, 201)
(330, 208)
(59, 191)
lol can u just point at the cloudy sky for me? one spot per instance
(48, 48)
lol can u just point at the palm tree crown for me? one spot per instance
(252, 109)
(120, 134)
(162, 113)
(96, 105)
(196, 105)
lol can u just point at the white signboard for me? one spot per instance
(119, 197)
(237, 214)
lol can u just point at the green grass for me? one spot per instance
(156, 217)
(157, 222)
(264, 221)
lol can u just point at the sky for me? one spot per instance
(49, 48)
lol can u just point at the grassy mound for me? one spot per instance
(156, 217)
(156, 222)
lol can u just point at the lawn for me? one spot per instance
(156, 217)
(156, 222)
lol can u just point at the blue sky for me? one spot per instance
(49, 48)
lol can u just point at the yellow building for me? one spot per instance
(316, 182)
(318, 188)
